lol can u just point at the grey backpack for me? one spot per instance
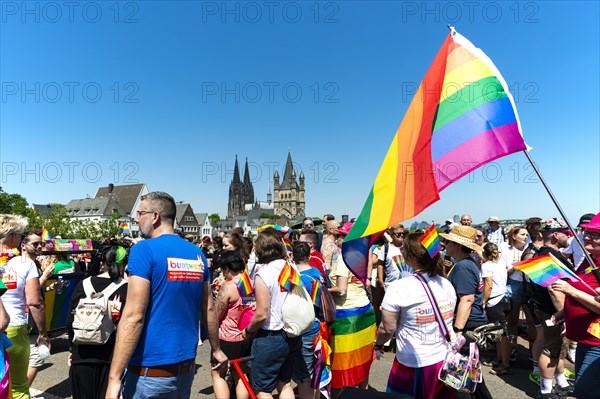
(92, 322)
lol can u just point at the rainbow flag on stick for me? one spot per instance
(124, 228)
(288, 277)
(461, 117)
(431, 241)
(546, 269)
(245, 285)
(45, 235)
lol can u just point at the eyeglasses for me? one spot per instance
(399, 234)
(140, 213)
(36, 244)
(308, 225)
(591, 234)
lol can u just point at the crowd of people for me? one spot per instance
(164, 295)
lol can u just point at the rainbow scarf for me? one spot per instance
(431, 241)
(461, 117)
(245, 285)
(288, 277)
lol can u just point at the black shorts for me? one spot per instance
(233, 350)
(497, 313)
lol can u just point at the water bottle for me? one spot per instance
(43, 351)
(60, 285)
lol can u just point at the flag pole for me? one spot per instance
(562, 214)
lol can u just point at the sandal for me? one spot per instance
(500, 370)
(491, 363)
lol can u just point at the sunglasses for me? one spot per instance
(399, 234)
(36, 244)
(591, 234)
(308, 225)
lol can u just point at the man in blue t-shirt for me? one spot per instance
(465, 276)
(168, 294)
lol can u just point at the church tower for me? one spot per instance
(247, 189)
(236, 202)
(289, 195)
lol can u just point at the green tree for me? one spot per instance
(214, 217)
(14, 203)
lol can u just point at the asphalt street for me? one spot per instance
(52, 381)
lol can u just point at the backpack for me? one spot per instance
(297, 312)
(92, 322)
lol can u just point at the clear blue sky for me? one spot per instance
(167, 93)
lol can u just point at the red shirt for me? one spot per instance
(316, 261)
(577, 317)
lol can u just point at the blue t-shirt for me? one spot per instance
(177, 270)
(308, 276)
(466, 279)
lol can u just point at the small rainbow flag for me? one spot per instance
(245, 285)
(594, 328)
(124, 228)
(315, 292)
(288, 277)
(545, 270)
(431, 241)
(45, 235)
(288, 245)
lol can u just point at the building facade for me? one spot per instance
(289, 193)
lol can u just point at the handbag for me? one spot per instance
(459, 372)
(327, 308)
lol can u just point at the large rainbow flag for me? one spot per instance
(461, 117)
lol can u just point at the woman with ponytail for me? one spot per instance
(90, 364)
(408, 313)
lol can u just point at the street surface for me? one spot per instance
(52, 381)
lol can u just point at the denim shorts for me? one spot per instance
(142, 387)
(274, 356)
(304, 367)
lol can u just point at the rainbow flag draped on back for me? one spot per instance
(461, 117)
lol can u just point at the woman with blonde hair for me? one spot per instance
(21, 278)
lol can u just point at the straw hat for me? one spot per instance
(463, 235)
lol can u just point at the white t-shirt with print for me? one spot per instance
(16, 273)
(269, 274)
(419, 340)
(511, 255)
(395, 266)
(497, 271)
